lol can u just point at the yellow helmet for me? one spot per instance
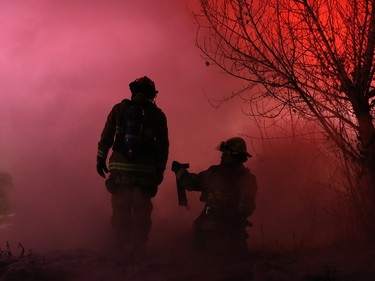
(234, 145)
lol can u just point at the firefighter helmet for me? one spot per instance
(235, 145)
(144, 85)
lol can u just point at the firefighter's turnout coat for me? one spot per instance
(228, 193)
(142, 169)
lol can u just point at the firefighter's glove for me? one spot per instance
(176, 166)
(101, 166)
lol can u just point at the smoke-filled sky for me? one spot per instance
(64, 64)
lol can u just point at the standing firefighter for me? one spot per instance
(5, 188)
(228, 191)
(137, 131)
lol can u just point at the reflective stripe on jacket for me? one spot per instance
(129, 167)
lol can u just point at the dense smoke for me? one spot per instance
(65, 64)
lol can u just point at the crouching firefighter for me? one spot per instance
(137, 132)
(228, 191)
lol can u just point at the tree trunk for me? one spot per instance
(367, 138)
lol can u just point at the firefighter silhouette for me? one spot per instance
(136, 130)
(5, 204)
(228, 191)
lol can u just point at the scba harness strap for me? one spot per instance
(133, 129)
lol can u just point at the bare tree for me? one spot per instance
(314, 58)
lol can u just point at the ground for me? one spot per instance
(339, 263)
